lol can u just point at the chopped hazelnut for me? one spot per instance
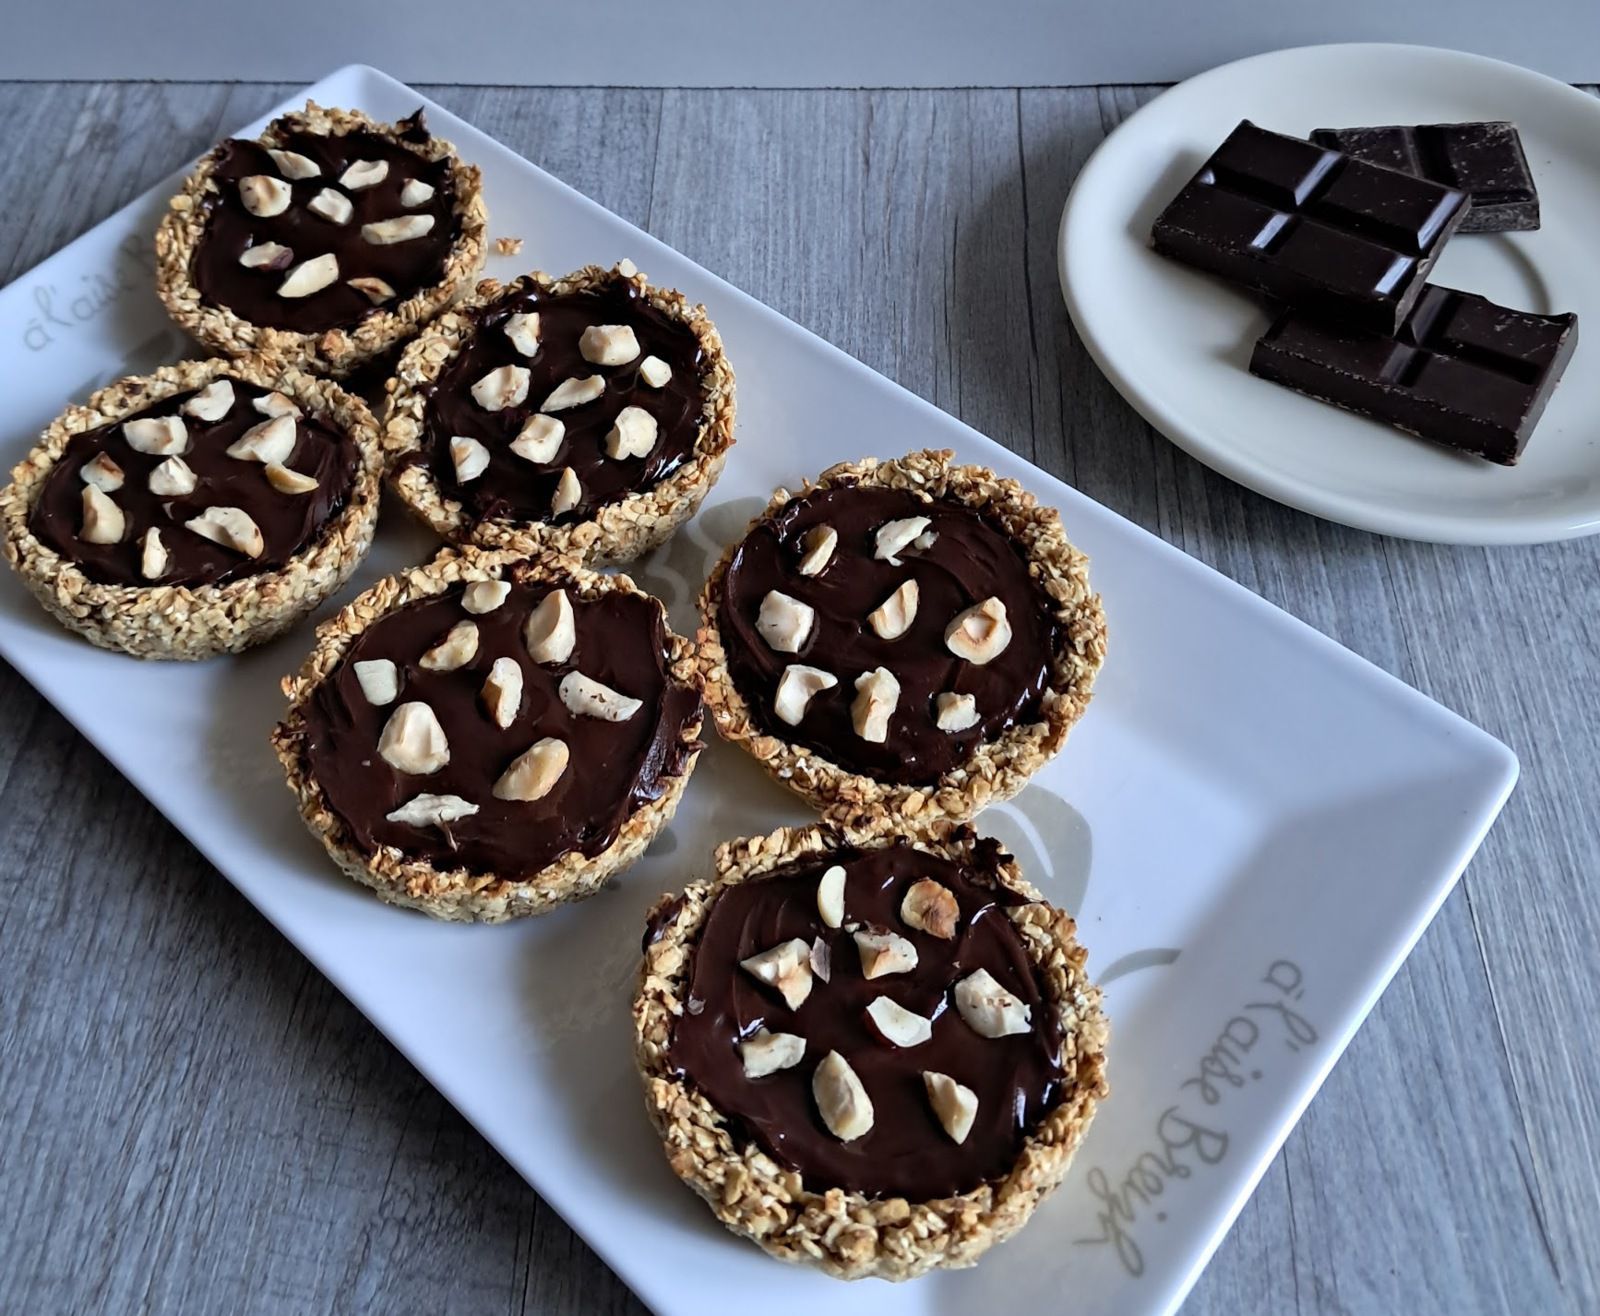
(102, 472)
(506, 386)
(231, 527)
(173, 478)
(988, 1008)
(522, 329)
(955, 1106)
(830, 896)
(883, 953)
(364, 174)
(379, 680)
(551, 630)
(980, 633)
(877, 696)
(893, 617)
(608, 344)
(797, 687)
(211, 403)
(469, 457)
(841, 1099)
(404, 228)
(655, 372)
(502, 692)
(930, 907)
(485, 595)
(897, 1025)
(766, 1053)
(786, 966)
(574, 392)
(540, 439)
(534, 773)
(310, 276)
(413, 742)
(784, 622)
(157, 436)
(893, 536)
(458, 648)
(955, 712)
(264, 196)
(589, 698)
(816, 548)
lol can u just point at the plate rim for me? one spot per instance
(1306, 497)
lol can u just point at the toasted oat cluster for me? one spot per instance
(904, 632)
(869, 1053)
(477, 737)
(329, 238)
(589, 413)
(197, 510)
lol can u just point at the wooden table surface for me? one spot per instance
(195, 1121)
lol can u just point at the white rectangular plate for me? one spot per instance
(1252, 825)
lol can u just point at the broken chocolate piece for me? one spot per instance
(1484, 160)
(1317, 229)
(1462, 371)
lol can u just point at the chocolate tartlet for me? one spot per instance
(588, 415)
(326, 241)
(485, 737)
(866, 1054)
(907, 636)
(198, 510)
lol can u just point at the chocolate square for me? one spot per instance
(1311, 227)
(1485, 160)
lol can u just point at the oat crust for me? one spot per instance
(618, 532)
(847, 1234)
(333, 352)
(193, 622)
(996, 769)
(456, 894)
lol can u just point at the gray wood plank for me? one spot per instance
(230, 1135)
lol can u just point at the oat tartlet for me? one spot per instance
(325, 241)
(906, 636)
(197, 510)
(587, 415)
(866, 1054)
(486, 736)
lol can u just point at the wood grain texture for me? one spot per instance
(198, 1121)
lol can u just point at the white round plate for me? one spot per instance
(1177, 343)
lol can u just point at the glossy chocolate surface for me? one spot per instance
(1311, 227)
(288, 522)
(516, 489)
(252, 294)
(970, 560)
(614, 767)
(1462, 371)
(907, 1152)
(1484, 160)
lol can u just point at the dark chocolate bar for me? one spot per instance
(1461, 371)
(1484, 160)
(1311, 227)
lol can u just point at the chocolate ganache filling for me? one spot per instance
(613, 767)
(288, 522)
(517, 488)
(969, 560)
(907, 1153)
(409, 186)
